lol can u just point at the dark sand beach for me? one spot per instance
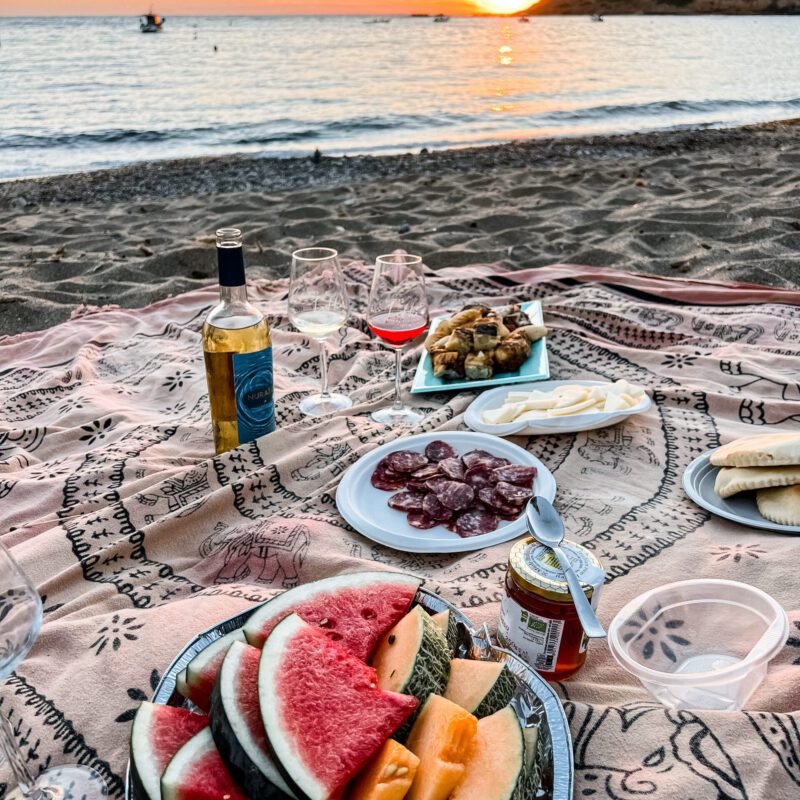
(712, 204)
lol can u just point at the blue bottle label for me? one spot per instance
(252, 383)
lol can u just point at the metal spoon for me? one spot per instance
(546, 527)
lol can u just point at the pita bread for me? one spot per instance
(767, 450)
(732, 480)
(780, 504)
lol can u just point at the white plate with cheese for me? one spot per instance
(555, 407)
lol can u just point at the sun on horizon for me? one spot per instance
(503, 6)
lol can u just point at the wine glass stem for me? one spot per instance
(25, 780)
(398, 403)
(323, 368)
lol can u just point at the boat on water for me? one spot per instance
(597, 17)
(151, 23)
(441, 18)
(524, 19)
(377, 21)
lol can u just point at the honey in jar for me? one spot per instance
(538, 619)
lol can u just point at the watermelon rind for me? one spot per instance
(284, 604)
(251, 768)
(145, 769)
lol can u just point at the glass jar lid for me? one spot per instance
(534, 567)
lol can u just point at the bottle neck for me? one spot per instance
(233, 294)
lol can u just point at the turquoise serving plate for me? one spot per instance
(536, 368)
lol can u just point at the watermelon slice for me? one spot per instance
(158, 733)
(237, 727)
(201, 672)
(323, 712)
(354, 610)
(197, 772)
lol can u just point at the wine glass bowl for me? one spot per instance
(318, 307)
(20, 621)
(397, 313)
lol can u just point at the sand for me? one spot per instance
(722, 205)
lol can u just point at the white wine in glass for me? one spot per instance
(20, 620)
(397, 313)
(318, 307)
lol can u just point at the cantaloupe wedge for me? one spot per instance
(442, 737)
(388, 776)
(480, 687)
(496, 768)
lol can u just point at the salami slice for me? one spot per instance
(426, 472)
(474, 456)
(456, 495)
(452, 468)
(511, 473)
(496, 504)
(386, 484)
(511, 493)
(475, 522)
(434, 484)
(420, 487)
(435, 509)
(406, 501)
(405, 461)
(439, 451)
(479, 476)
(418, 519)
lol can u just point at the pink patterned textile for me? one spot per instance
(137, 537)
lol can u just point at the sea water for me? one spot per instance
(85, 93)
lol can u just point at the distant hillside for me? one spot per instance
(665, 7)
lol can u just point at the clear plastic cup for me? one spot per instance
(701, 643)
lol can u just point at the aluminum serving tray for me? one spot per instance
(536, 704)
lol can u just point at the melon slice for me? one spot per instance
(480, 687)
(413, 657)
(201, 671)
(442, 738)
(197, 772)
(354, 610)
(158, 733)
(448, 625)
(388, 776)
(236, 725)
(181, 687)
(496, 769)
(323, 712)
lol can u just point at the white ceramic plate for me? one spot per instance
(572, 424)
(535, 368)
(365, 508)
(698, 482)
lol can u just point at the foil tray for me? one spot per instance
(536, 704)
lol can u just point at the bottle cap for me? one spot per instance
(230, 257)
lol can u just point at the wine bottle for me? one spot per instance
(238, 353)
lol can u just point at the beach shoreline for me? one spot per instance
(720, 204)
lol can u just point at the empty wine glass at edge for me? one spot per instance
(397, 313)
(318, 307)
(20, 620)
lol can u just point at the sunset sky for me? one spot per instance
(235, 7)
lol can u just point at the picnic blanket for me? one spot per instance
(138, 538)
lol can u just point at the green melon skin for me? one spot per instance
(498, 696)
(430, 669)
(448, 625)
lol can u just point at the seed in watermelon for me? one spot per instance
(158, 733)
(354, 610)
(442, 738)
(387, 776)
(413, 658)
(323, 712)
(496, 770)
(480, 687)
(236, 725)
(197, 772)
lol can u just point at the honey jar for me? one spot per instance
(538, 619)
